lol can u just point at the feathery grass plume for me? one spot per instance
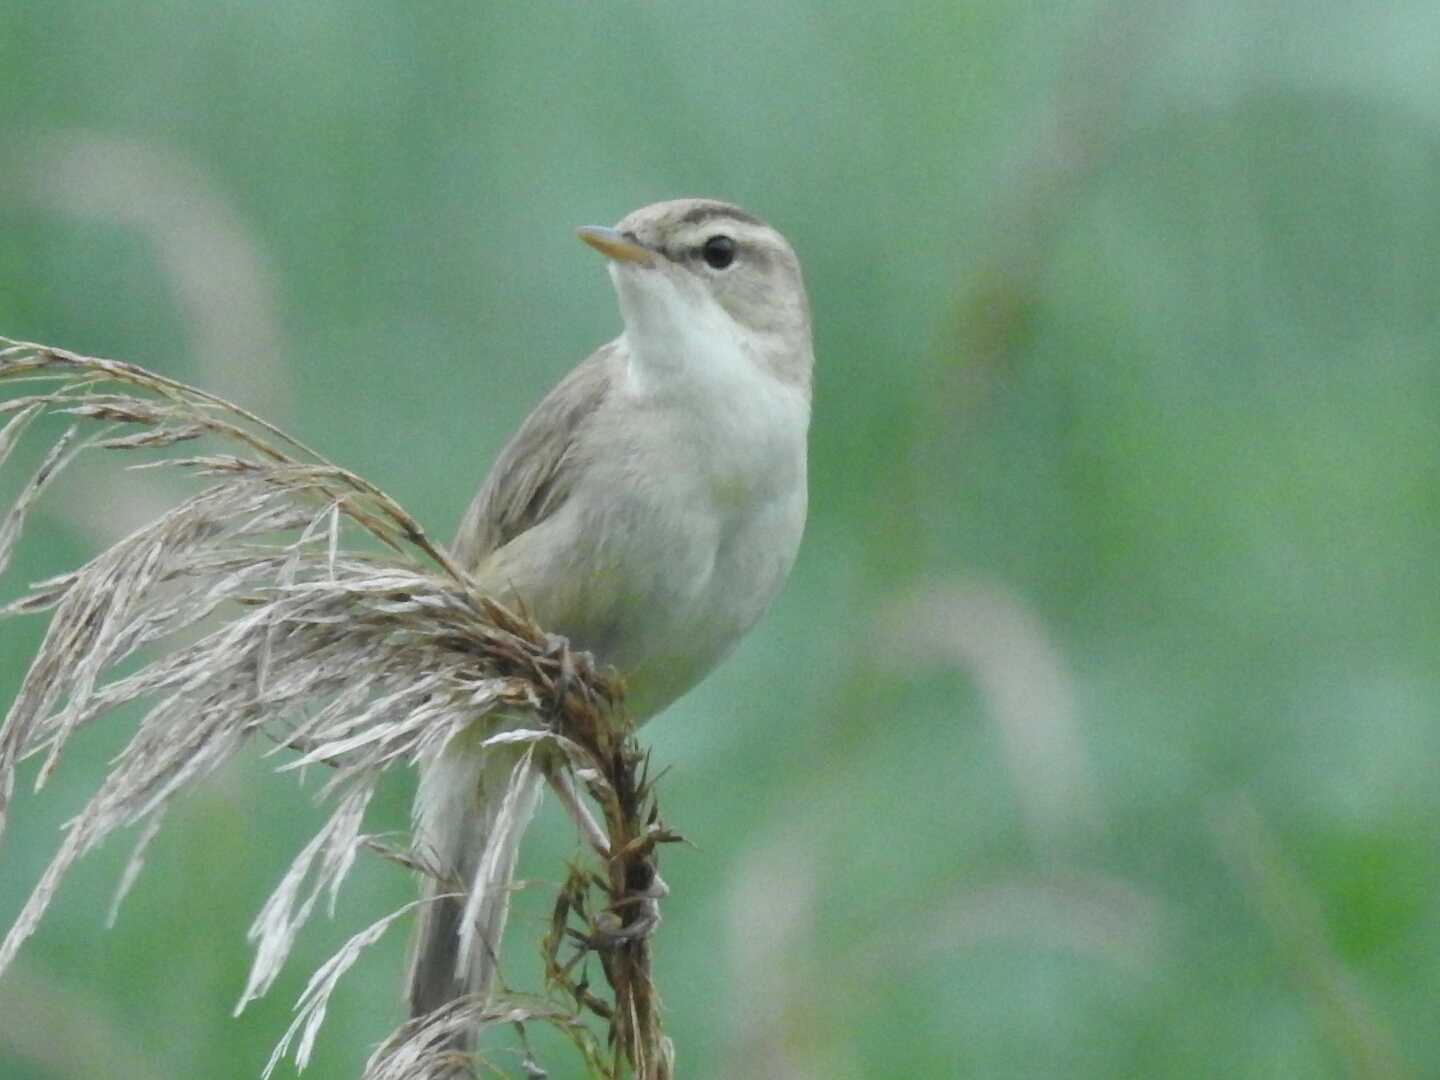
(357, 655)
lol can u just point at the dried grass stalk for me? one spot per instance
(321, 616)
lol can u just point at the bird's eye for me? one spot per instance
(718, 252)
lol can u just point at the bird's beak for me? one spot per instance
(614, 244)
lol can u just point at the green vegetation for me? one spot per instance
(1095, 733)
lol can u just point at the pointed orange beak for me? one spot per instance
(615, 245)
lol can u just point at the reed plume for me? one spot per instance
(290, 600)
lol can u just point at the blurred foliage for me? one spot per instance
(1095, 734)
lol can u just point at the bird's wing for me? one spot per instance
(536, 470)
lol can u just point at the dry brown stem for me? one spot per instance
(360, 658)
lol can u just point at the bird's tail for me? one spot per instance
(470, 812)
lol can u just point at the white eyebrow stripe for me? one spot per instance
(741, 232)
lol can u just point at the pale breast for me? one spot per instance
(683, 567)
(668, 551)
(682, 514)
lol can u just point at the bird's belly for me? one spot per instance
(670, 548)
(669, 586)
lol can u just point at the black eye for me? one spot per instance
(718, 252)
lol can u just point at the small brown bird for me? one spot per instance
(649, 509)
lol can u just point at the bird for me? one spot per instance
(649, 510)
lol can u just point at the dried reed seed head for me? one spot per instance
(359, 661)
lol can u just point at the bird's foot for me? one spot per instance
(632, 917)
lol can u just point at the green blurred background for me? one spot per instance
(1094, 735)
